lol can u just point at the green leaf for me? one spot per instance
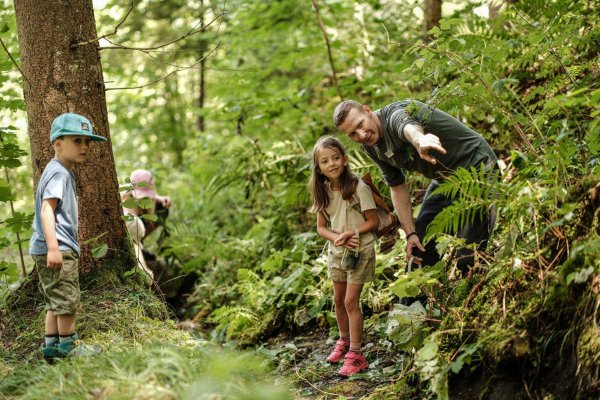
(100, 251)
(448, 23)
(456, 365)
(580, 276)
(129, 273)
(5, 194)
(429, 349)
(130, 203)
(94, 239)
(465, 357)
(435, 31)
(4, 265)
(404, 287)
(10, 163)
(149, 217)
(19, 222)
(146, 203)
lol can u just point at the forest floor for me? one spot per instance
(301, 360)
(299, 363)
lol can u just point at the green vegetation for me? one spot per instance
(522, 324)
(144, 354)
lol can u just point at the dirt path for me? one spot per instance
(301, 360)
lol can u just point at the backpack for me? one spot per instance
(388, 222)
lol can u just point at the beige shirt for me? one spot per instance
(344, 215)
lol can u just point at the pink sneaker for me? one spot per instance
(353, 364)
(339, 351)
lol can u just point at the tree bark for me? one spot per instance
(64, 77)
(432, 14)
(202, 91)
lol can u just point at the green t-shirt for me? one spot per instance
(464, 147)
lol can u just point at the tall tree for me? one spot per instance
(432, 14)
(62, 71)
(202, 88)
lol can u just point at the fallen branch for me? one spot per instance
(310, 383)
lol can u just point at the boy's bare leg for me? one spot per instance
(352, 303)
(66, 324)
(51, 324)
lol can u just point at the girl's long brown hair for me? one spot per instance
(317, 184)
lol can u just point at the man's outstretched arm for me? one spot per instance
(423, 142)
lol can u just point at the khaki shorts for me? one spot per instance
(365, 272)
(60, 287)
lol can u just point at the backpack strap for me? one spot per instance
(378, 197)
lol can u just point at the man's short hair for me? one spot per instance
(342, 110)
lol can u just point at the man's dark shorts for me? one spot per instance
(60, 287)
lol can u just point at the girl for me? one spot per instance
(142, 186)
(346, 216)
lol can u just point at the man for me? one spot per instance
(409, 135)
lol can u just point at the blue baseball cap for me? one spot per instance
(73, 124)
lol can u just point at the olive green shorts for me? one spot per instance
(60, 287)
(365, 272)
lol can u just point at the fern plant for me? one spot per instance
(476, 192)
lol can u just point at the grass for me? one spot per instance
(188, 369)
(144, 355)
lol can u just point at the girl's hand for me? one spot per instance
(352, 243)
(343, 238)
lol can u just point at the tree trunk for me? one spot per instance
(202, 91)
(432, 14)
(61, 76)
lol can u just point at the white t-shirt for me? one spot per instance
(344, 216)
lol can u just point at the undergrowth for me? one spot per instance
(144, 354)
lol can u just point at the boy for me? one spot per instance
(54, 244)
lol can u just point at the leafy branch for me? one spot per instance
(9, 158)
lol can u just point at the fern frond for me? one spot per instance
(459, 214)
(233, 320)
(473, 184)
(252, 286)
